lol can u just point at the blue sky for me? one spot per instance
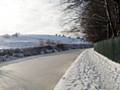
(29, 17)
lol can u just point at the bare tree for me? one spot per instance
(98, 19)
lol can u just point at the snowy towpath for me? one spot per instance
(91, 71)
(37, 72)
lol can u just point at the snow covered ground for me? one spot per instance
(26, 41)
(91, 71)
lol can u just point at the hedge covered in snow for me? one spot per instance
(11, 54)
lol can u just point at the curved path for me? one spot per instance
(36, 73)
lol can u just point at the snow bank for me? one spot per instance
(91, 71)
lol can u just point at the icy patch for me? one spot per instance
(91, 71)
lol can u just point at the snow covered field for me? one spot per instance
(91, 71)
(27, 41)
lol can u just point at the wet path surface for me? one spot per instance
(37, 72)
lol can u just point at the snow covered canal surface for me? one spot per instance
(91, 71)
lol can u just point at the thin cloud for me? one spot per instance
(28, 16)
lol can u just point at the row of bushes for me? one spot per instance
(9, 54)
(29, 51)
(109, 48)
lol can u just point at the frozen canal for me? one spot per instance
(37, 72)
